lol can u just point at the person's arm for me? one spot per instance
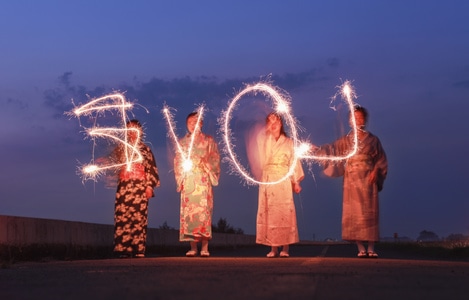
(212, 164)
(298, 174)
(153, 178)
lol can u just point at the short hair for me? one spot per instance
(363, 110)
(194, 113)
(134, 122)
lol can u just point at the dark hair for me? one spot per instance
(194, 113)
(134, 122)
(278, 116)
(362, 110)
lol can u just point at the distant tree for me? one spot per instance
(224, 227)
(165, 226)
(239, 231)
(427, 236)
(456, 237)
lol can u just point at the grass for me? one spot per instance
(443, 250)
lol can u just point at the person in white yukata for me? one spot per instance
(276, 216)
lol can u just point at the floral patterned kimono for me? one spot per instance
(196, 187)
(360, 211)
(131, 204)
(276, 215)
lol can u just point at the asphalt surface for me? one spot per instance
(312, 272)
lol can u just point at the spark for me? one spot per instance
(347, 93)
(281, 101)
(98, 106)
(187, 163)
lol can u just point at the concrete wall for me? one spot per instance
(24, 238)
(22, 231)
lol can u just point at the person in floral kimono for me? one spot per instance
(135, 187)
(195, 185)
(364, 174)
(276, 215)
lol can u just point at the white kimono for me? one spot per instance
(276, 215)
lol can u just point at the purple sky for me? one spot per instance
(408, 60)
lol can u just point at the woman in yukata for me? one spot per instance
(195, 186)
(276, 215)
(364, 174)
(135, 187)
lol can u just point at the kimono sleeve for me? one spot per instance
(381, 164)
(213, 161)
(298, 173)
(178, 173)
(151, 170)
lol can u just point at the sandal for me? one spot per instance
(271, 254)
(204, 253)
(362, 254)
(372, 254)
(191, 253)
(284, 254)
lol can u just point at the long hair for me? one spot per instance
(278, 116)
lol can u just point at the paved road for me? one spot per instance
(313, 272)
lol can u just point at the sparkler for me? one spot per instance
(120, 135)
(186, 155)
(281, 101)
(347, 93)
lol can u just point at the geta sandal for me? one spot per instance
(362, 254)
(191, 253)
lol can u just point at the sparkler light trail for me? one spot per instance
(186, 155)
(281, 101)
(131, 152)
(347, 93)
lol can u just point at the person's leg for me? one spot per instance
(122, 225)
(284, 252)
(361, 249)
(139, 227)
(371, 250)
(371, 246)
(204, 248)
(193, 251)
(273, 252)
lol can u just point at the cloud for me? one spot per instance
(178, 91)
(462, 84)
(60, 98)
(333, 62)
(182, 93)
(14, 104)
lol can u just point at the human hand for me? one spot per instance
(179, 188)
(102, 160)
(149, 192)
(296, 187)
(373, 177)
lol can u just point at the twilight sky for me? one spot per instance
(408, 60)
